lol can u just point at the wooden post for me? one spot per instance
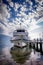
(40, 45)
(30, 45)
(37, 44)
(34, 45)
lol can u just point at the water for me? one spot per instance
(17, 56)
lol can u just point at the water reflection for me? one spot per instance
(10, 55)
(20, 55)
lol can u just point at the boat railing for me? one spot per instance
(20, 33)
(21, 37)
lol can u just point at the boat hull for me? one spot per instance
(20, 43)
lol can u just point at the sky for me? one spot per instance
(27, 12)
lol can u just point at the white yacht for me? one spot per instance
(20, 37)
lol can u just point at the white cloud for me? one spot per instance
(29, 20)
(22, 13)
(4, 11)
(18, 14)
(39, 1)
(40, 20)
(4, 14)
(8, 29)
(17, 20)
(23, 8)
(37, 33)
(25, 19)
(30, 17)
(29, 1)
(16, 6)
(33, 27)
(4, 20)
(34, 35)
(5, 29)
(39, 8)
(11, 4)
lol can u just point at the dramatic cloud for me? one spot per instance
(28, 12)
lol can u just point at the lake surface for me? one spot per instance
(18, 56)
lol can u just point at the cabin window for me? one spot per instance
(20, 30)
